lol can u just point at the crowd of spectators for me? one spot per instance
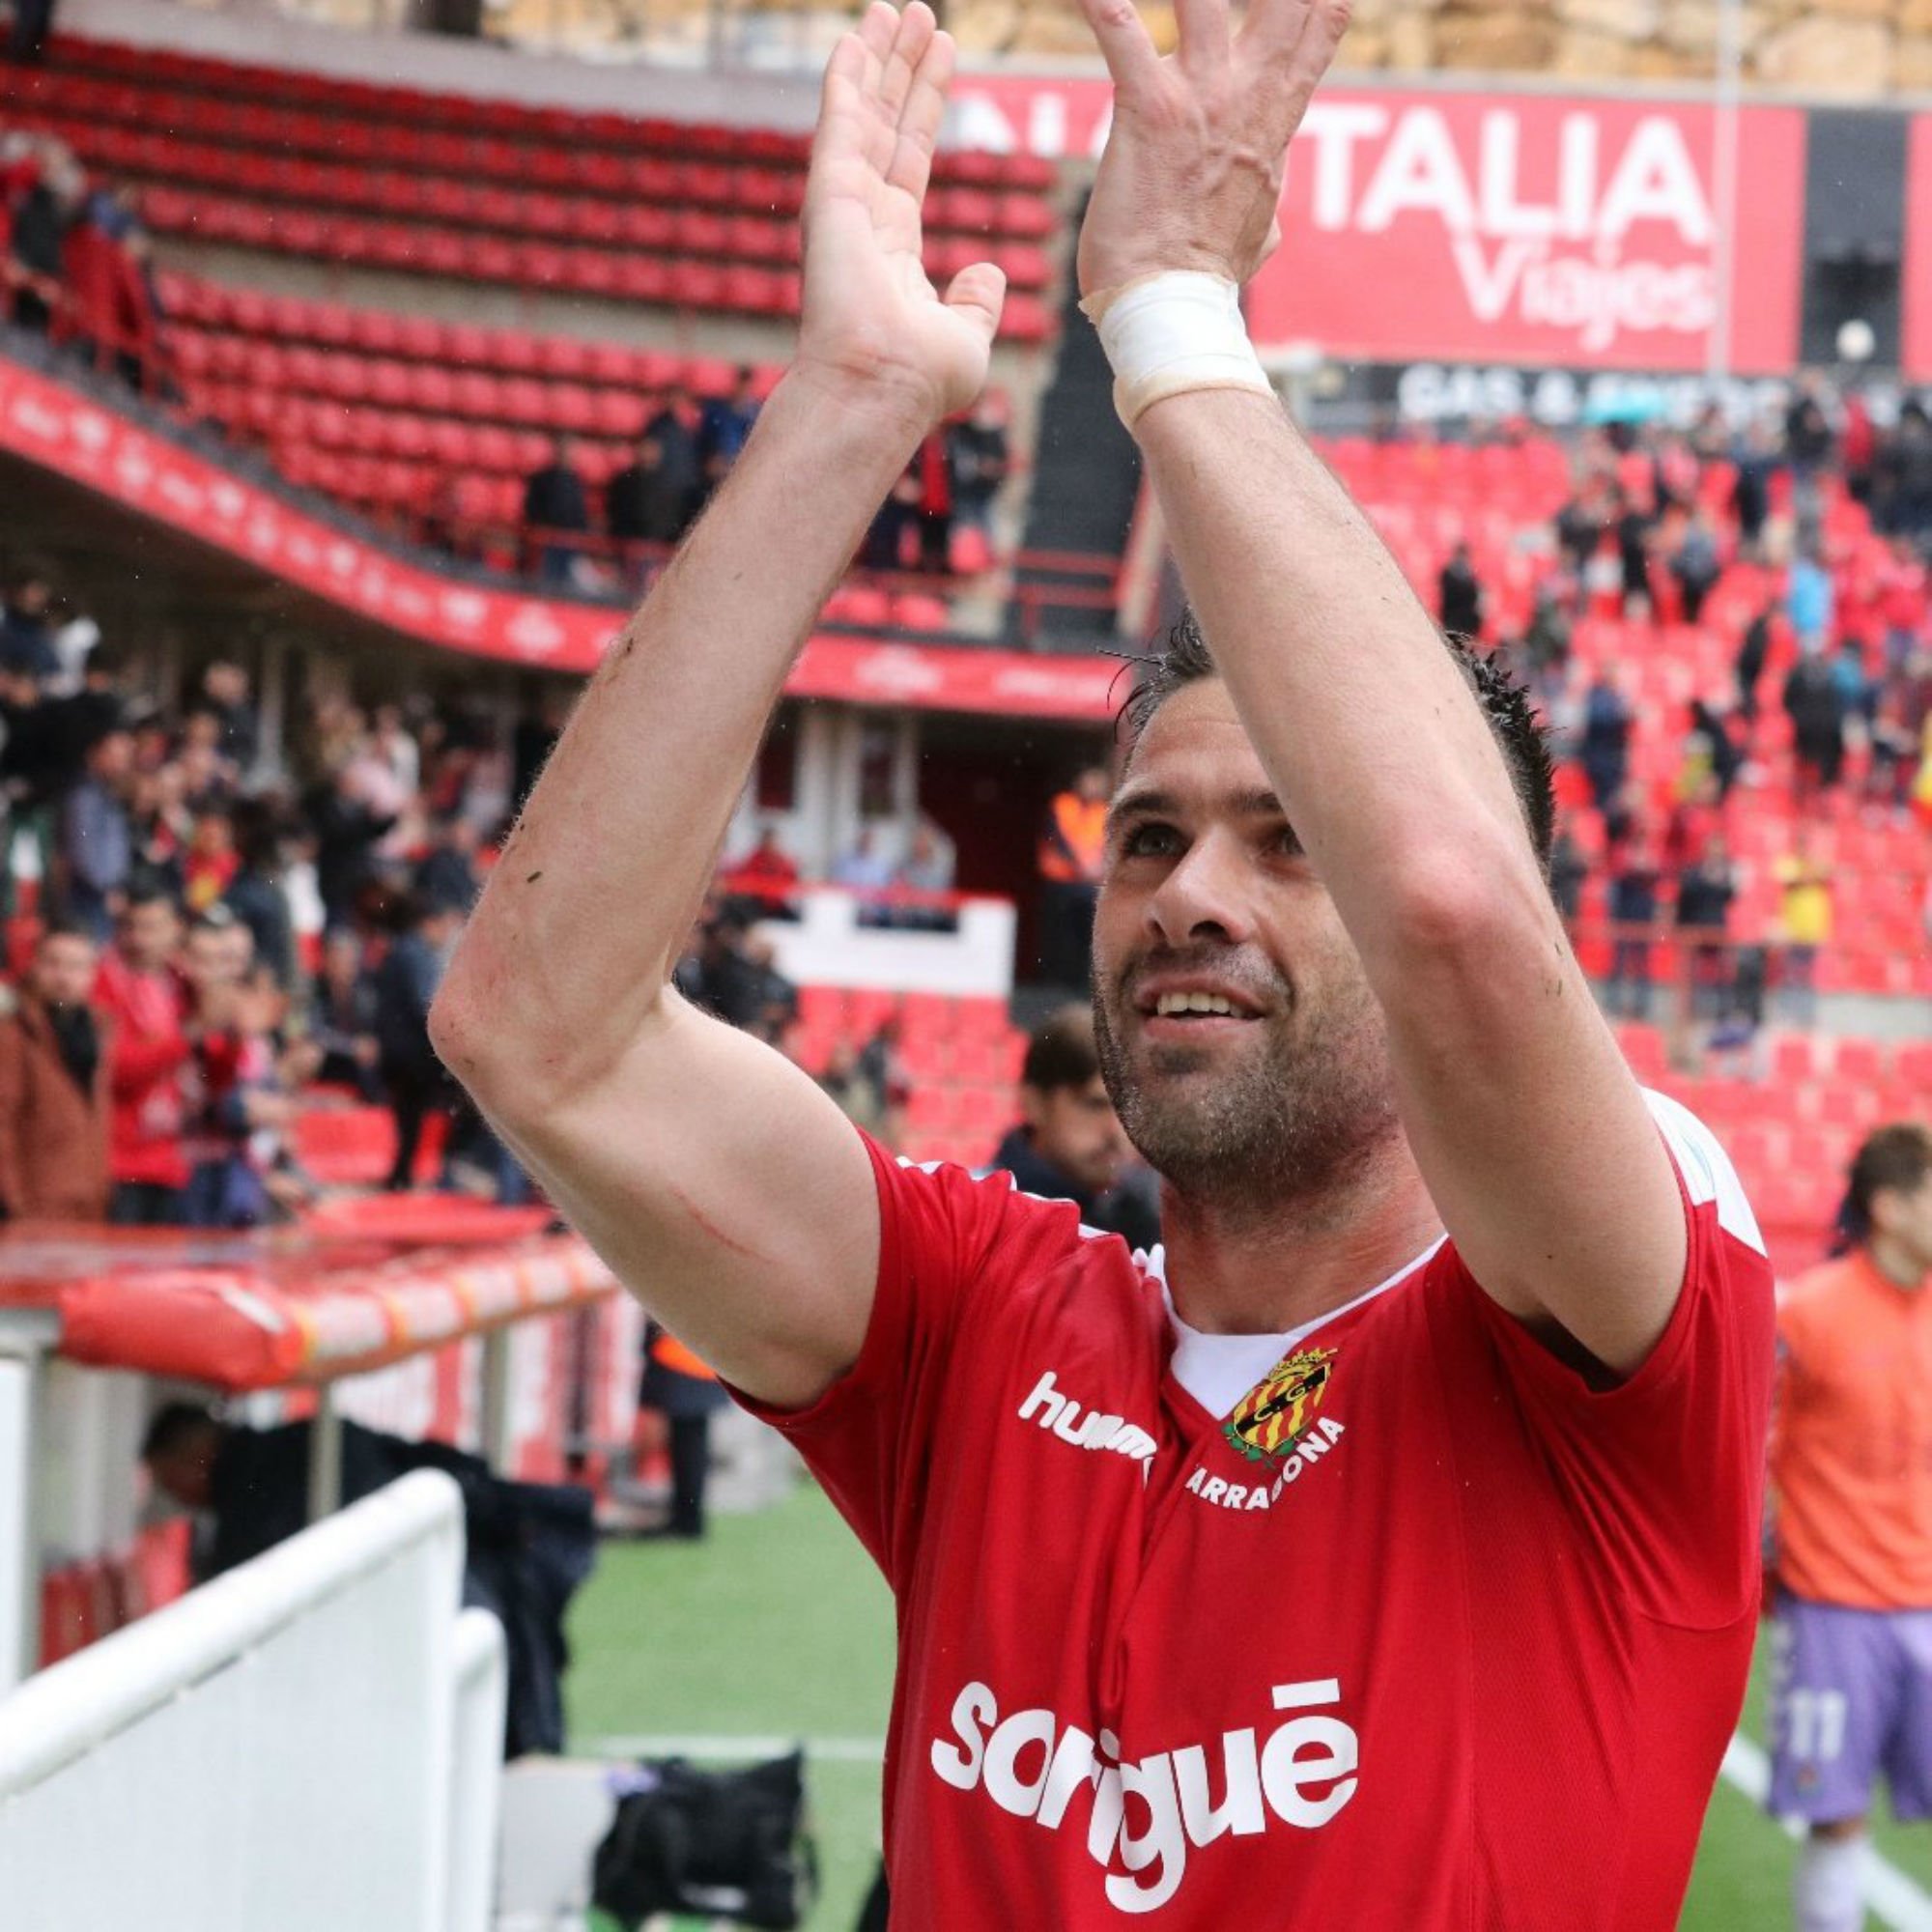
(1838, 640)
(252, 939)
(581, 536)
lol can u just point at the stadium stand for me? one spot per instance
(637, 211)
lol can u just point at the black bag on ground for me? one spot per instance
(729, 1843)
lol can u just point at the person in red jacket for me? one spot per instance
(144, 994)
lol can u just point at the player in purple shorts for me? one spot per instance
(1851, 1471)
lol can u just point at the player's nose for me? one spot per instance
(1207, 894)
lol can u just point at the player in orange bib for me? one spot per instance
(1851, 1471)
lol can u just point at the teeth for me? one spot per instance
(1193, 1003)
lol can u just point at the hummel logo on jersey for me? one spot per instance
(1087, 1429)
(1033, 1767)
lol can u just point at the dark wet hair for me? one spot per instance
(1896, 1157)
(1513, 723)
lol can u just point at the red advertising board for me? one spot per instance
(1914, 335)
(1567, 231)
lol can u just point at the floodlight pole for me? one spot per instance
(1725, 186)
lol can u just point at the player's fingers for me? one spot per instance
(911, 37)
(1204, 32)
(841, 106)
(979, 292)
(925, 110)
(1310, 32)
(1124, 45)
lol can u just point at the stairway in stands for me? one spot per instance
(1086, 479)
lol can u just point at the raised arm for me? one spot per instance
(713, 1176)
(1533, 1138)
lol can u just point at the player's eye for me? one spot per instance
(1150, 839)
(1284, 840)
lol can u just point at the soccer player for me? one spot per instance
(1384, 1556)
(1851, 1471)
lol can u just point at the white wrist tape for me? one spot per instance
(1168, 333)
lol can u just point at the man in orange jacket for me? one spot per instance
(1073, 845)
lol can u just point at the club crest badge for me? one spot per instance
(1272, 1417)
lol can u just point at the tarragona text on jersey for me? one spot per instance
(1390, 1625)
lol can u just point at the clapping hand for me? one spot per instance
(1191, 179)
(872, 325)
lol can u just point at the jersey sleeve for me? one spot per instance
(1663, 1472)
(949, 1245)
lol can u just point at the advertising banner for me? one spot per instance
(1486, 227)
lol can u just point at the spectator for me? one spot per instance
(933, 507)
(1579, 531)
(1568, 871)
(147, 1002)
(406, 984)
(1636, 526)
(446, 874)
(393, 746)
(1458, 595)
(1751, 494)
(1547, 637)
(27, 648)
(346, 830)
(1718, 745)
(851, 1089)
(42, 219)
(981, 458)
(212, 861)
(674, 430)
(1071, 847)
(1804, 883)
(1705, 891)
(1603, 747)
(1902, 591)
(1902, 481)
(54, 1098)
(1070, 1145)
(1696, 565)
(766, 875)
(924, 876)
(645, 502)
(556, 509)
(1807, 446)
(237, 1163)
(225, 698)
(1634, 877)
(98, 837)
(256, 894)
(1858, 688)
(1753, 654)
(717, 974)
(881, 1063)
(342, 1017)
(725, 427)
(1815, 704)
(863, 868)
(1810, 603)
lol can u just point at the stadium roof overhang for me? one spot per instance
(167, 530)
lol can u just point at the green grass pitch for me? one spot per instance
(777, 1625)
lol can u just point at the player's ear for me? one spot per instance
(1033, 1107)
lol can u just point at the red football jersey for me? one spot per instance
(1390, 1623)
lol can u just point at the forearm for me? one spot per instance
(1362, 719)
(572, 943)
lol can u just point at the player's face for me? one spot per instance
(1208, 894)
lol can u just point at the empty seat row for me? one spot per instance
(676, 282)
(281, 108)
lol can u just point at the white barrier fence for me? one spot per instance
(309, 1742)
